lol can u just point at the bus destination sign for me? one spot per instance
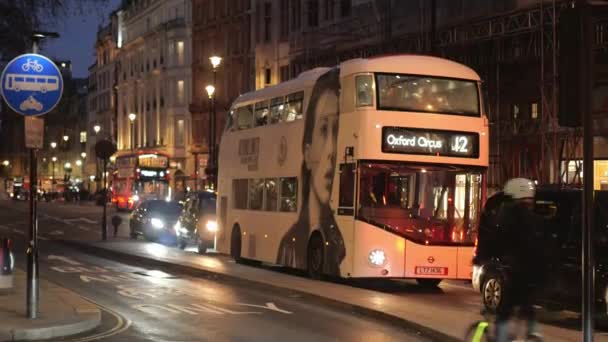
(430, 142)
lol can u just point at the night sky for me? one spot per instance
(78, 33)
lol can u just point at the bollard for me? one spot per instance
(7, 263)
(116, 221)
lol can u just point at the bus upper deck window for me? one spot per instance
(365, 91)
(244, 117)
(261, 113)
(293, 106)
(276, 109)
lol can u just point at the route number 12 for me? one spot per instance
(460, 144)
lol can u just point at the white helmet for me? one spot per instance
(520, 188)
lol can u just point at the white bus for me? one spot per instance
(43, 83)
(373, 168)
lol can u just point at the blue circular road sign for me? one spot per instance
(31, 85)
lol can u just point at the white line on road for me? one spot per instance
(56, 232)
(18, 231)
(83, 228)
(64, 259)
(4, 227)
(43, 238)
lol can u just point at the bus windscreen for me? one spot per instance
(427, 94)
(430, 205)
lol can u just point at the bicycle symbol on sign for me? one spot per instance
(34, 65)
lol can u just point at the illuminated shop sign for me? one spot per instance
(430, 142)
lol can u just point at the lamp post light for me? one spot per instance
(96, 128)
(66, 138)
(132, 118)
(53, 145)
(6, 163)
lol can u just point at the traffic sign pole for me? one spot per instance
(33, 289)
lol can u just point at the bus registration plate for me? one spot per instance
(426, 270)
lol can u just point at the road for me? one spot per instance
(142, 304)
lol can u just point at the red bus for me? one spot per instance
(140, 176)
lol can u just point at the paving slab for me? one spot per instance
(62, 312)
(430, 316)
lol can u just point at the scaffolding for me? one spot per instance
(524, 40)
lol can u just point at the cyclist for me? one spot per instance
(524, 260)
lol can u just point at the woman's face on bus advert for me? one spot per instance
(321, 158)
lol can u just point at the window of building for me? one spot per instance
(83, 137)
(313, 13)
(293, 106)
(284, 73)
(365, 91)
(272, 194)
(179, 133)
(534, 110)
(256, 194)
(240, 189)
(296, 13)
(345, 8)
(328, 14)
(267, 76)
(180, 53)
(261, 113)
(267, 22)
(276, 109)
(289, 194)
(284, 19)
(180, 92)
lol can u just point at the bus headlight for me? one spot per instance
(157, 223)
(377, 257)
(211, 226)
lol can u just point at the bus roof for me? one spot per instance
(304, 79)
(409, 64)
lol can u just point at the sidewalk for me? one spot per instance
(62, 313)
(431, 317)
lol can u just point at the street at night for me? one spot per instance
(306, 170)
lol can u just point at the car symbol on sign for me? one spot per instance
(30, 103)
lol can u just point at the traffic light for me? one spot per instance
(570, 27)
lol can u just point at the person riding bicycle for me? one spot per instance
(524, 260)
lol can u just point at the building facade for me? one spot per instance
(220, 28)
(153, 71)
(512, 44)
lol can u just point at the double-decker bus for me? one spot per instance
(140, 176)
(373, 168)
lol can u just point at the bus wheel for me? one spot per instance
(315, 257)
(428, 283)
(235, 244)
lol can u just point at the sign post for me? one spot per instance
(32, 85)
(104, 149)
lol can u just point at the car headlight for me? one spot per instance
(157, 223)
(211, 226)
(135, 198)
(377, 257)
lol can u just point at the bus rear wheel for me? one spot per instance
(315, 257)
(235, 244)
(428, 283)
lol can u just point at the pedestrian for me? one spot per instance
(116, 222)
(525, 263)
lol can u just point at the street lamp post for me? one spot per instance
(211, 161)
(96, 128)
(132, 118)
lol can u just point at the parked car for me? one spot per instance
(197, 223)
(560, 211)
(155, 219)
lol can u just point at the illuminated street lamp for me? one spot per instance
(215, 61)
(132, 118)
(79, 162)
(53, 144)
(83, 155)
(66, 138)
(6, 163)
(97, 128)
(210, 90)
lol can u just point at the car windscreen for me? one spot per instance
(164, 208)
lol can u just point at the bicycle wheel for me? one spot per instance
(478, 332)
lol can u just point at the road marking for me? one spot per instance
(122, 325)
(64, 259)
(268, 306)
(83, 228)
(108, 278)
(80, 219)
(18, 231)
(43, 238)
(190, 309)
(56, 232)
(4, 228)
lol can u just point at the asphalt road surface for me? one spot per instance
(141, 304)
